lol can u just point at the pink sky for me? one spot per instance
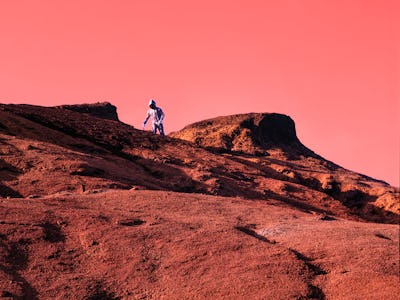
(331, 65)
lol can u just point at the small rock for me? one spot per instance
(31, 147)
(327, 218)
(7, 294)
(96, 191)
(131, 222)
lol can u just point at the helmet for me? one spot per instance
(152, 102)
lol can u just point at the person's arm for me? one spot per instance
(147, 118)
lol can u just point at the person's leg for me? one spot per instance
(161, 129)
(154, 128)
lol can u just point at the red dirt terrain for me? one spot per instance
(234, 207)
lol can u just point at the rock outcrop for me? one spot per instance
(252, 133)
(104, 110)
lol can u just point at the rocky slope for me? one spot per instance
(284, 212)
(165, 245)
(270, 139)
(51, 150)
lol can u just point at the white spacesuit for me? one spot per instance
(157, 117)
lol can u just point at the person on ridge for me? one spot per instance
(157, 116)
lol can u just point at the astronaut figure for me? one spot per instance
(157, 117)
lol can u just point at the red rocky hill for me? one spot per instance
(63, 171)
(52, 150)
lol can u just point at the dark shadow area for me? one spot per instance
(360, 205)
(313, 292)
(52, 233)
(6, 191)
(131, 222)
(4, 128)
(8, 173)
(97, 291)
(87, 170)
(292, 152)
(264, 169)
(254, 234)
(327, 218)
(16, 258)
(304, 207)
(231, 187)
(354, 199)
(380, 235)
(163, 176)
(316, 270)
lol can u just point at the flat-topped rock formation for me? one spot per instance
(104, 110)
(252, 133)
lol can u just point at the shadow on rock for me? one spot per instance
(16, 259)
